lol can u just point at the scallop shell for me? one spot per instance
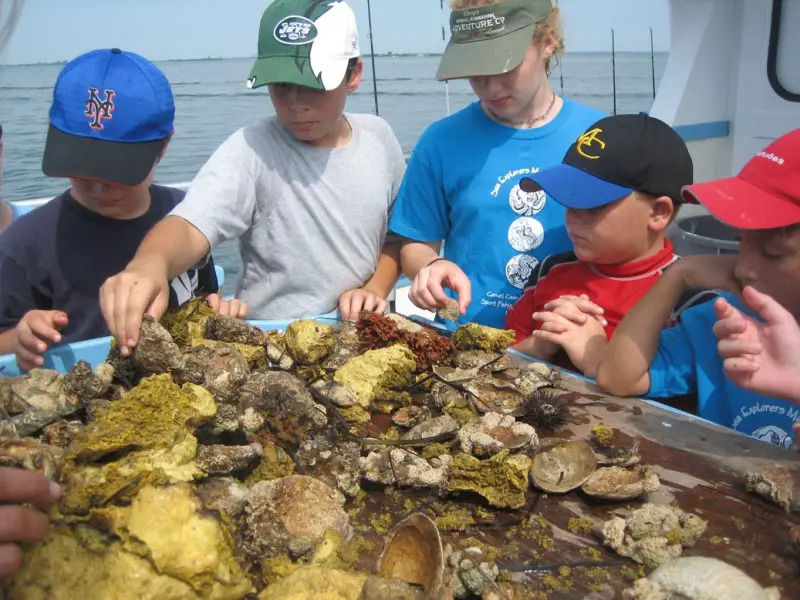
(563, 467)
(413, 553)
(616, 483)
(496, 396)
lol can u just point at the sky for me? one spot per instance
(57, 30)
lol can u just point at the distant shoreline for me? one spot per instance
(365, 56)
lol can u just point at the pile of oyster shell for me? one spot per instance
(219, 461)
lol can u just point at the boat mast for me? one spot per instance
(372, 56)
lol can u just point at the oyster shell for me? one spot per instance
(433, 428)
(291, 515)
(449, 312)
(473, 575)
(535, 376)
(277, 394)
(31, 455)
(492, 395)
(616, 483)
(413, 553)
(698, 578)
(479, 359)
(398, 466)
(82, 382)
(776, 484)
(223, 460)
(493, 433)
(334, 464)
(563, 467)
(220, 369)
(234, 331)
(156, 352)
(61, 433)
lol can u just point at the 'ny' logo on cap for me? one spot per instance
(587, 140)
(99, 110)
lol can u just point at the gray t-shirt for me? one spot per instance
(311, 221)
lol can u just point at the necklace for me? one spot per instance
(526, 122)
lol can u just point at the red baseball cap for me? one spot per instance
(764, 195)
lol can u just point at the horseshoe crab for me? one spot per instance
(563, 467)
(616, 483)
(413, 553)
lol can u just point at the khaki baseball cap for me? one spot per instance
(305, 42)
(491, 39)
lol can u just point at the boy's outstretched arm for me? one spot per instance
(170, 248)
(624, 369)
(372, 295)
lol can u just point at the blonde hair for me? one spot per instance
(551, 23)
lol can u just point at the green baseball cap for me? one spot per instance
(305, 42)
(490, 39)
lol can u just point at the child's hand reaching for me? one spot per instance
(231, 308)
(575, 324)
(763, 357)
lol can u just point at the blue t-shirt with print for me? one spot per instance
(462, 186)
(687, 362)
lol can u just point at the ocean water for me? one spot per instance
(212, 101)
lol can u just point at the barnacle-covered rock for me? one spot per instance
(95, 408)
(480, 337)
(409, 416)
(276, 393)
(31, 455)
(221, 370)
(291, 515)
(156, 352)
(188, 322)
(145, 438)
(234, 331)
(309, 342)
(776, 484)
(490, 362)
(472, 573)
(404, 324)
(82, 382)
(653, 534)
(698, 578)
(442, 394)
(376, 371)
(376, 588)
(493, 433)
(433, 428)
(319, 583)
(336, 464)
(398, 466)
(61, 433)
(535, 376)
(277, 353)
(162, 548)
(616, 483)
(502, 479)
(224, 460)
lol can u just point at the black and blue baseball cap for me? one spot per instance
(614, 157)
(112, 113)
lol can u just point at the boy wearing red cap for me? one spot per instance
(763, 202)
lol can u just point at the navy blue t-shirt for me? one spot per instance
(57, 256)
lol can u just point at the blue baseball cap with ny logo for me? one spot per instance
(112, 113)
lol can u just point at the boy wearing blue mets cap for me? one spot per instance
(307, 192)
(621, 184)
(110, 122)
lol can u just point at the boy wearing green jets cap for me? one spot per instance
(308, 192)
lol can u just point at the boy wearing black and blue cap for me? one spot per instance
(621, 184)
(110, 122)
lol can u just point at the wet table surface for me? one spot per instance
(701, 467)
